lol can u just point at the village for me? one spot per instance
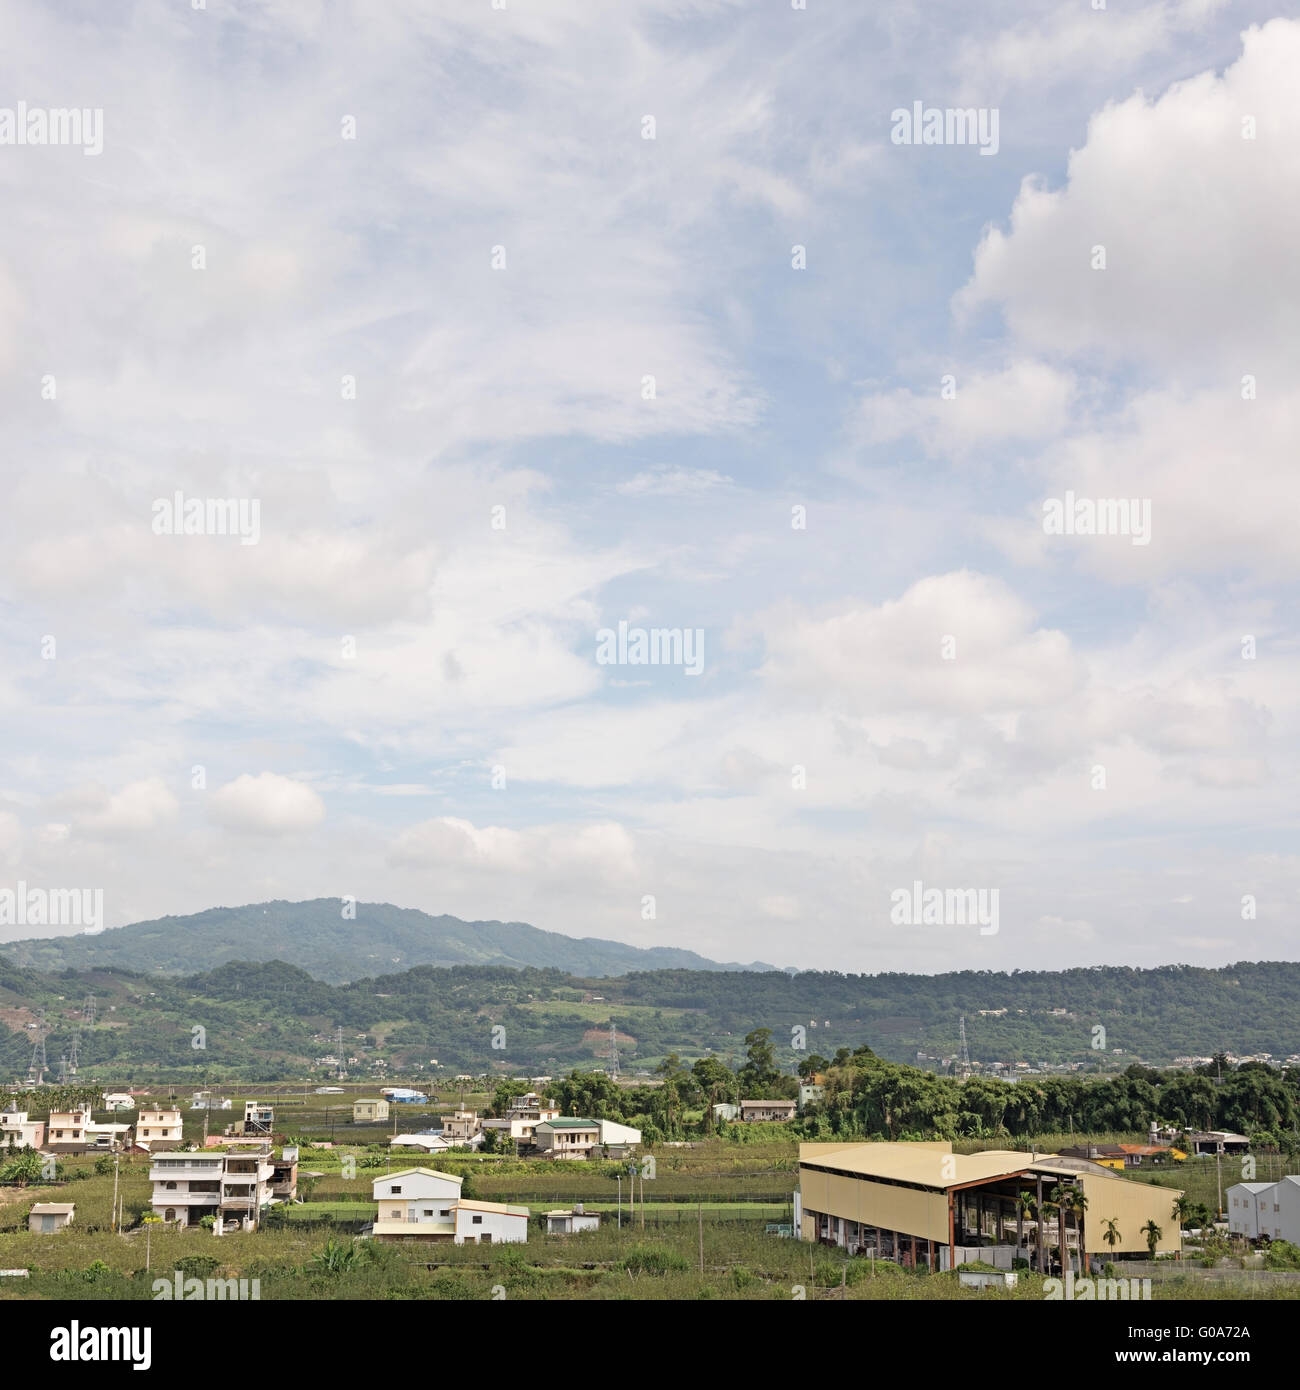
(992, 1215)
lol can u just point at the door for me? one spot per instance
(47, 1225)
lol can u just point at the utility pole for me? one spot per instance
(701, 1213)
(619, 1176)
(116, 1165)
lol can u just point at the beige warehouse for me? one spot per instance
(928, 1207)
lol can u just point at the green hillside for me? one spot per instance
(272, 1020)
(380, 938)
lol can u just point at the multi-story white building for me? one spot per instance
(74, 1132)
(423, 1204)
(569, 1137)
(234, 1188)
(186, 1187)
(18, 1132)
(156, 1127)
(1265, 1209)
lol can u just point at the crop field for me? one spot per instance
(709, 1203)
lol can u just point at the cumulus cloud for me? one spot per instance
(267, 804)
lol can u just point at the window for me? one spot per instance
(428, 1211)
(478, 1221)
(446, 1211)
(396, 1190)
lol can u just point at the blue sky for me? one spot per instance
(468, 754)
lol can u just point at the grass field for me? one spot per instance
(740, 1187)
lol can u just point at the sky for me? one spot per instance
(519, 322)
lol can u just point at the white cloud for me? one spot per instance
(267, 804)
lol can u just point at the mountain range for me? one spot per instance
(315, 935)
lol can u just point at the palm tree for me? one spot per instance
(1182, 1213)
(1153, 1234)
(1059, 1201)
(1078, 1204)
(1110, 1233)
(1025, 1207)
(1050, 1208)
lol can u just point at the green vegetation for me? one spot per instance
(272, 1020)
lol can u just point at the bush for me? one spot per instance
(1281, 1254)
(197, 1266)
(653, 1259)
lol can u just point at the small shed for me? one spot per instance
(564, 1223)
(47, 1217)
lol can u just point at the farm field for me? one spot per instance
(723, 1191)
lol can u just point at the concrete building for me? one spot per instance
(425, 1205)
(564, 1223)
(47, 1217)
(18, 1132)
(1265, 1210)
(767, 1111)
(119, 1100)
(74, 1132)
(926, 1207)
(284, 1175)
(1216, 1141)
(157, 1127)
(567, 1137)
(811, 1093)
(461, 1127)
(233, 1187)
(532, 1107)
(616, 1140)
(369, 1112)
(259, 1119)
(489, 1223)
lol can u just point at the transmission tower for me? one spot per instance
(963, 1062)
(338, 1049)
(613, 1052)
(87, 1022)
(36, 1071)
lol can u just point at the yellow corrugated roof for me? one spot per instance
(923, 1164)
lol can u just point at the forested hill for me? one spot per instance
(270, 1019)
(377, 938)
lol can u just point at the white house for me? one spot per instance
(427, 1143)
(1244, 1206)
(234, 1188)
(119, 1100)
(490, 1223)
(1272, 1210)
(157, 1127)
(617, 1135)
(18, 1132)
(74, 1132)
(424, 1204)
(416, 1203)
